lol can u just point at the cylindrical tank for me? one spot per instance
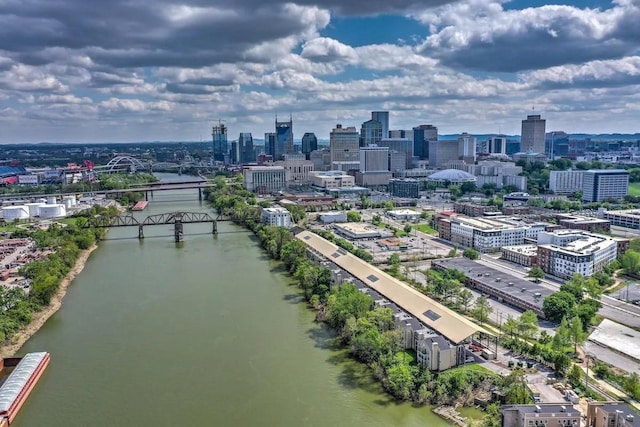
(10, 213)
(51, 200)
(34, 209)
(68, 201)
(52, 211)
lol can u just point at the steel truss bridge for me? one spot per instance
(178, 219)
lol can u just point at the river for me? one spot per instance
(207, 332)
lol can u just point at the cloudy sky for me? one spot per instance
(141, 70)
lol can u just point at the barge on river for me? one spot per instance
(19, 384)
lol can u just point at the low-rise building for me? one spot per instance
(526, 255)
(540, 415)
(611, 414)
(333, 216)
(297, 169)
(506, 288)
(577, 222)
(331, 179)
(563, 253)
(624, 218)
(403, 214)
(264, 179)
(276, 216)
(408, 188)
(472, 209)
(359, 230)
(490, 234)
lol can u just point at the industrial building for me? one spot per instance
(564, 253)
(360, 230)
(404, 214)
(520, 293)
(333, 216)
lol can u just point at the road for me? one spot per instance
(613, 309)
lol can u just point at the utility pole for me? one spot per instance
(586, 378)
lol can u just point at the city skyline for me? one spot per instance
(72, 71)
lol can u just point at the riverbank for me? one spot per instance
(39, 318)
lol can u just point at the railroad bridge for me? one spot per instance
(178, 219)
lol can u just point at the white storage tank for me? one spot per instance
(52, 211)
(51, 200)
(69, 201)
(9, 213)
(34, 209)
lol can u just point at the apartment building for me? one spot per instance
(276, 216)
(489, 235)
(526, 255)
(566, 182)
(605, 184)
(566, 252)
(611, 414)
(540, 415)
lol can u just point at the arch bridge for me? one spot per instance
(178, 219)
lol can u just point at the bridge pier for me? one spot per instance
(146, 196)
(140, 232)
(178, 231)
(200, 194)
(215, 227)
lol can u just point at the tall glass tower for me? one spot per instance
(383, 118)
(309, 144)
(220, 143)
(284, 138)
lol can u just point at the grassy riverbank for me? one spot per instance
(70, 246)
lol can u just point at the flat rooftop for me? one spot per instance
(358, 227)
(403, 212)
(560, 409)
(520, 289)
(618, 337)
(572, 219)
(528, 250)
(634, 213)
(434, 315)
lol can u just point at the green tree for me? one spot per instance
(557, 305)
(407, 229)
(576, 333)
(575, 375)
(464, 298)
(630, 261)
(528, 325)
(471, 253)
(510, 326)
(516, 391)
(482, 309)
(536, 273)
(354, 216)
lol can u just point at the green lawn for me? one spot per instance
(426, 228)
(634, 189)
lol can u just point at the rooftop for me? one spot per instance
(528, 250)
(431, 313)
(519, 289)
(545, 408)
(618, 337)
(453, 175)
(358, 227)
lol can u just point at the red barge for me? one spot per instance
(19, 384)
(140, 206)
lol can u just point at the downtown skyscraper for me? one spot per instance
(284, 138)
(532, 136)
(220, 142)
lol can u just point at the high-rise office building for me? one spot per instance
(383, 118)
(497, 145)
(220, 142)
(246, 150)
(270, 144)
(442, 152)
(284, 138)
(533, 134)
(309, 144)
(370, 133)
(374, 159)
(401, 145)
(605, 184)
(421, 136)
(467, 148)
(344, 144)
